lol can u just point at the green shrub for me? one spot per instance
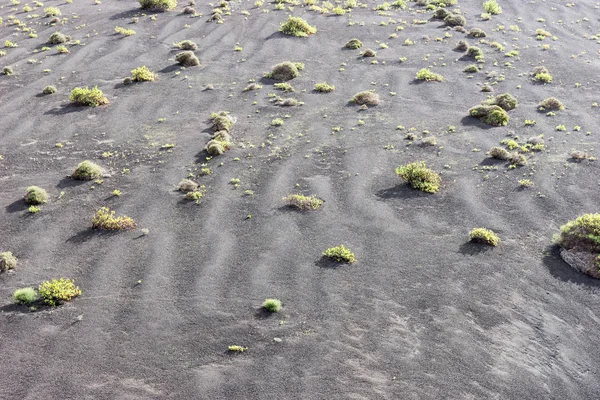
(490, 114)
(366, 97)
(492, 7)
(285, 71)
(195, 195)
(543, 77)
(505, 101)
(296, 26)
(237, 348)
(581, 234)
(477, 32)
(353, 44)
(35, 195)
(187, 59)
(142, 74)
(58, 38)
(324, 87)
(87, 170)
(483, 235)
(221, 121)
(57, 291)
(88, 97)
(420, 177)
(105, 219)
(52, 12)
(7, 71)
(303, 202)
(471, 68)
(499, 153)
(272, 305)
(286, 87)
(340, 254)
(551, 103)
(474, 52)
(425, 74)
(455, 20)
(25, 295)
(162, 5)
(7, 261)
(49, 90)
(462, 46)
(369, 53)
(124, 31)
(186, 45)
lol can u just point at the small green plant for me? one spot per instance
(58, 38)
(324, 87)
(221, 121)
(297, 26)
(88, 97)
(87, 170)
(7, 261)
(285, 71)
(62, 49)
(277, 122)
(581, 234)
(483, 235)
(474, 52)
(25, 295)
(353, 44)
(525, 183)
(187, 58)
(49, 90)
(425, 74)
(195, 195)
(35, 195)
(52, 12)
(284, 86)
(34, 209)
(543, 77)
(272, 305)
(142, 74)
(340, 254)
(7, 71)
(455, 20)
(186, 45)
(551, 103)
(236, 348)
(9, 44)
(124, 31)
(490, 114)
(492, 7)
(303, 202)
(160, 5)
(105, 219)
(420, 177)
(471, 69)
(57, 291)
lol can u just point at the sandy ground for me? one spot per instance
(422, 314)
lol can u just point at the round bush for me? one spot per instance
(420, 177)
(187, 185)
(49, 90)
(58, 38)
(296, 26)
(366, 97)
(483, 235)
(7, 261)
(57, 291)
(455, 20)
(353, 44)
(284, 71)
(215, 148)
(582, 234)
(272, 305)
(35, 195)
(187, 59)
(25, 295)
(161, 5)
(86, 171)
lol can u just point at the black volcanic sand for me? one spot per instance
(422, 314)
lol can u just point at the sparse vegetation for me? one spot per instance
(420, 177)
(57, 291)
(484, 235)
(105, 219)
(88, 97)
(86, 171)
(340, 254)
(303, 202)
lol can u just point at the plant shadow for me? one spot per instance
(16, 206)
(471, 249)
(559, 269)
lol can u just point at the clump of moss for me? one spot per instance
(87, 170)
(88, 97)
(142, 74)
(353, 44)
(303, 202)
(297, 26)
(340, 254)
(366, 97)
(187, 58)
(58, 38)
(35, 195)
(49, 90)
(160, 5)
(455, 20)
(425, 74)
(25, 295)
(186, 45)
(552, 104)
(7, 261)
(57, 291)
(483, 235)
(272, 305)
(324, 87)
(420, 177)
(105, 219)
(285, 71)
